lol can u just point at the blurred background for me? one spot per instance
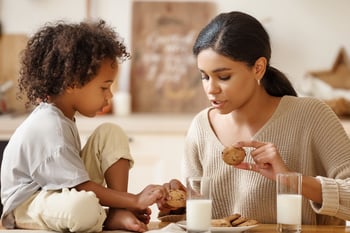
(306, 36)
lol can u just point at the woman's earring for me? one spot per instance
(259, 82)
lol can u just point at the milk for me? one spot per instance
(198, 215)
(289, 209)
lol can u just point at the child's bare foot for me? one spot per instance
(123, 220)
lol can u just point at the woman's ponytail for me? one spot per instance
(276, 83)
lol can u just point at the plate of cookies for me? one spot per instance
(232, 223)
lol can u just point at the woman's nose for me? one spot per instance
(212, 87)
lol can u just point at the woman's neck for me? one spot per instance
(243, 124)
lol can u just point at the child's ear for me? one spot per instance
(260, 67)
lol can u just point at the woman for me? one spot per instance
(254, 106)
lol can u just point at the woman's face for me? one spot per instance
(228, 84)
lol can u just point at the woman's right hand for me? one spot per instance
(268, 161)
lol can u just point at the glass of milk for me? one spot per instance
(289, 202)
(198, 205)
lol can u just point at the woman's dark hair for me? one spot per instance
(242, 38)
(62, 55)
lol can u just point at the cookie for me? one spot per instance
(220, 223)
(233, 155)
(233, 220)
(177, 198)
(249, 222)
(238, 221)
(232, 217)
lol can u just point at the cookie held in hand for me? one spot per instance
(233, 155)
(177, 203)
(177, 198)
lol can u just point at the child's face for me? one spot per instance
(96, 94)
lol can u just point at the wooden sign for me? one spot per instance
(164, 74)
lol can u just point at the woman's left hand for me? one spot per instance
(268, 161)
(171, 185)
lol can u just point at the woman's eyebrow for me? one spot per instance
(217, 70)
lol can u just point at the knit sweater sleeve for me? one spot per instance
(336, 198)
(333, 147)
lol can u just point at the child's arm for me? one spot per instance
(112, 198)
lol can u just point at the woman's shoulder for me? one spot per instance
(308, 107)
(304, 102)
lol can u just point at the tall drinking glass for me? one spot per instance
(198, 205)
(289, 202)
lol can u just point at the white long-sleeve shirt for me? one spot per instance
(310, 139)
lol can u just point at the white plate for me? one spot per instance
(221, 229)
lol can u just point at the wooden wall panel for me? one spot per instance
(164, 75)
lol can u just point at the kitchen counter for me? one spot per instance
(140, 123)
(147, 123)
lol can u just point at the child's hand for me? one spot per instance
(150, 195)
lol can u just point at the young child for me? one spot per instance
(47, 180)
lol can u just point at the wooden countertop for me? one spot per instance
(272, 228)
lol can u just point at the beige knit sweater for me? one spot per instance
(310, 139)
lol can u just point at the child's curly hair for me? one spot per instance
(62, 55)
